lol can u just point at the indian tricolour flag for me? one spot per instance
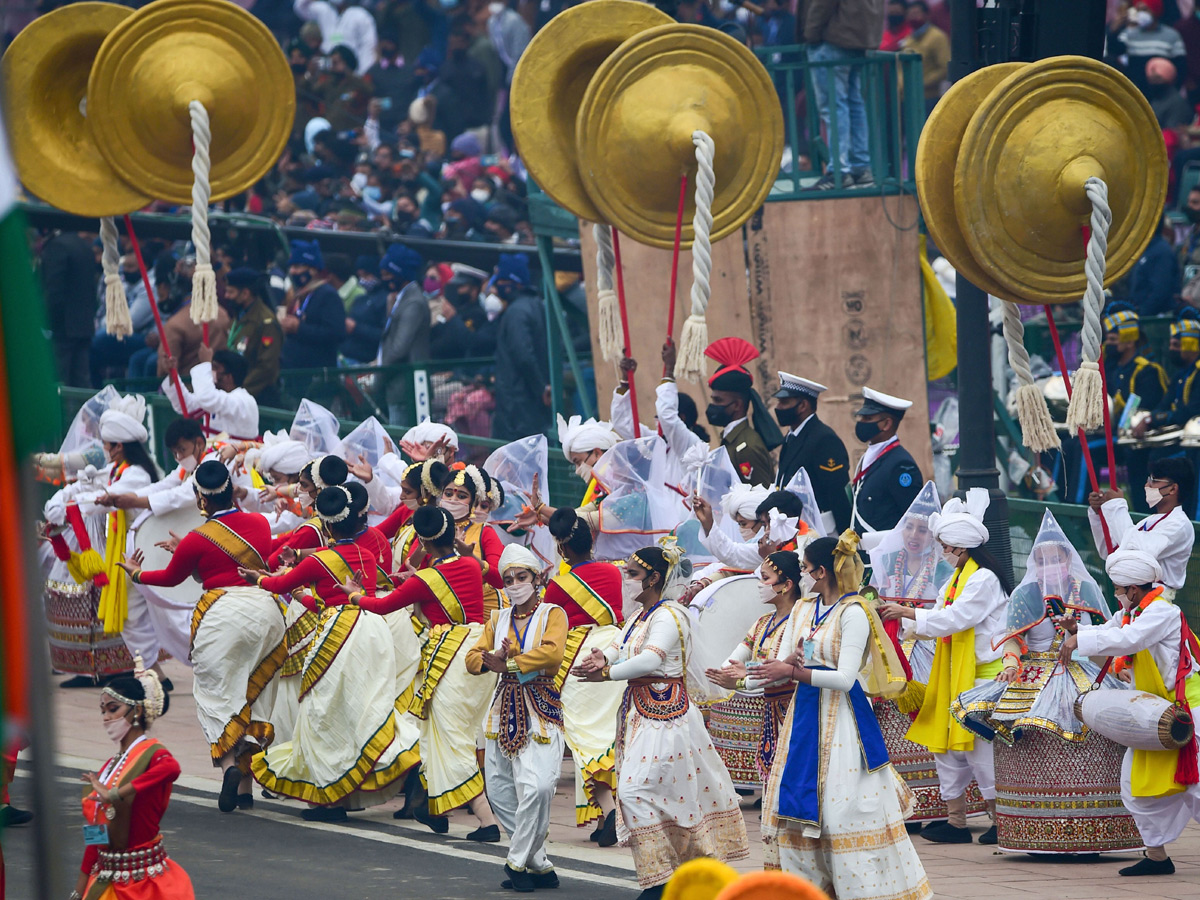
(28, 421)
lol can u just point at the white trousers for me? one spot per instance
(150, 628)
(956, 768)
(520, 791)
(1160, 820)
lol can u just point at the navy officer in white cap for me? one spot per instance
(887, 479)
(812, 445)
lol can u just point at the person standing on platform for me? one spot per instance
(813, 446)
(522, 376)
(218, 391)
(255, 334)
(1169, 492)
(732, 393)
(887, 479)
(315, 321)
(406, 331)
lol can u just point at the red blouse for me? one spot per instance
(306, 537)
(464, 574)
(310, 571)
(149, 804)
(199, 557)
(395, 521)
(374, 539)
(603, 578)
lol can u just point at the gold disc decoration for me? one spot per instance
(1019, 180)
(633, 133)
(549, 83)
(937, 155)
(46, 76)
(169, 53)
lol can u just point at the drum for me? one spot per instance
(148, 530)
(722, 613)
(735, 726)
(1135, 719)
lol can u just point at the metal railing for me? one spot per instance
(893, 94)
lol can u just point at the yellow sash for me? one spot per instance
(587, 598)
(954, 671)
(1153, 771)
(114, 596)
(337, 567)
(444, 594)
(473, 535)
(233, 544)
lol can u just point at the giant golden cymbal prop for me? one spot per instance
(633, 132)
(169, 53)
(1020, 165)
(548, 87)
(46, 72)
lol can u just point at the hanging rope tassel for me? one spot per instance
(1086, 409)
(608, 310)
(689, 363)
(1037, 427)
(117, 321)
(204, 280)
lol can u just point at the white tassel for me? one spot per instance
(117, 321)
(204, 280)
(608, 310)
(689, 362)
(1086, 409)
(1037, 428)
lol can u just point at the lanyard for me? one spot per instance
(819, 618)
(884, 452)
(442, 559)
(1145, 527)
(522, 635)
(642, 616)
(770, 630)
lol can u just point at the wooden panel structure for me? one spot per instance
(826, 289)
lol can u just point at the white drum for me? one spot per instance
(722, 613)
(149, 529)
(1135, 719)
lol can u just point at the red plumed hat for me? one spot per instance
(731, 355)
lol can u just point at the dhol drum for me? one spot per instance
(1135, 719)
(160, 619)
(150, 530)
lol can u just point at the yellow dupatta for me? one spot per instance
(1153, 771)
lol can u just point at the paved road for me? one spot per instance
(272, 854)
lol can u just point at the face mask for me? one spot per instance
(1175, 358)
(1123, 599)
(865, 431)
(718, 416)
(359, 182)
(373, 193)
(1153, 497)
(519, 593)
(480, 195)
(493, 306)
(766, 592)
(584, 471)
(368, 284)
(1142, 18)
(807, 584)
(480, 515)
(1193, 215)
(431, 285)
(459, 509)
(894, 22)
(189, 464)
(950, 557)
(506, 292)
(116, 729)
(748, 532)
(299, 68)
(131, 277)
(1111, 351)
(300, 279)
(495, 8)
(788, 418)
(631, 588)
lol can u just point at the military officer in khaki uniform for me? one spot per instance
(748, 440)
(255, 334)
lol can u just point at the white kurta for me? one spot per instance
(1175, 526)
(233, 412)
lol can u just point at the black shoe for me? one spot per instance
(10, 816)
(521, 882)
(912, 827)
(946, 834)
(829, 182)
(436, 824)
(863, 179)
(486, 834)
(597, 831)
(608, 834)
(545, 880)
(324, 814)
(757, 804)
(80, 681)
(245, 801)
(403, 813)
(230, 781)
(167, 684)
(267, 795)
(653, 893)
(413, 793)
(1148, 866)
(989, 836)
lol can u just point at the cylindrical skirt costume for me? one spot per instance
(590, 719)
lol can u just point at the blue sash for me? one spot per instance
(799, 787)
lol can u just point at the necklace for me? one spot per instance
(111, 774)
(642, 616)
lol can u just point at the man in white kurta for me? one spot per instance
(218, 393)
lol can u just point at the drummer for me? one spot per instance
(185, 439)
(1147, 639)
(583, 443)
(218, 393)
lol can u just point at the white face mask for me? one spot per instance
(806, 584)
(584, 471)
(1123, 599)
(116, 729)
(520, 592)
(189, 464)
(480, 195)
(631, 588)
(459, 509)
(411, 502)
(748, 532)
(495, 8)
(480, 515)
(493, 306)
(766, 592)
(951, 557)
(1153, 497)
(1142, 18)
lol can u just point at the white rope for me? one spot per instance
(117, 321)
(689, 364)
(1086, 409)
(1037, 427)
(204, 280)
(611, 335)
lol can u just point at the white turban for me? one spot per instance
(122, 421)
(281, 454)
(744, 500)
(1136, 560)
(430, 433)
(516, 556)
(578, 436)
(960, 523)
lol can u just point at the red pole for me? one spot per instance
(675, 262)
(637, 422)
(158, 323)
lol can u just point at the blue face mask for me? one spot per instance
(373, 193)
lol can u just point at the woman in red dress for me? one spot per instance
(125, 858)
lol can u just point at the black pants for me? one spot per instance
(71, 361)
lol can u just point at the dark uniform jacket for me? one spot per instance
(883, 493)
(522, 372)
(315, 343)
(749, 454)
(405, 338)
(1138, 376)
(256, 335)
(820, 452)
(1182, 401)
